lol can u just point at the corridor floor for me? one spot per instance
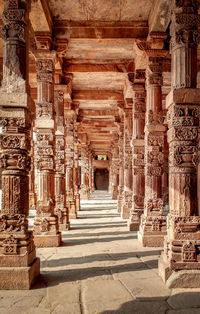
(100, 268)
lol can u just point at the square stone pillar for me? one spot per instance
(46, 230)
(128, 192)
(84, 192)
(69, 161)
(61, 209)
(179, 265)
(19, 266)
(139, 108)
(153, 222)
(121, 167)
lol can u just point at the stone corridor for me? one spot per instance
(100, 268)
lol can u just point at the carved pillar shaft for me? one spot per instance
(76, 168)
(17, 249)
(153, 224)
(60, 191)
(127, 193)
(46, 223)
(69, 150)
(121, 168)
(181, 253)
(139, 107)
(84, 172)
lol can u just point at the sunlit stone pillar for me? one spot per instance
(46, 232)
(19, 266)
(179, 266)
(127, 193)
(153, 223)
(69, 155)
(60, 172)
(76, 167)
(115, 167)
(84, 193)
(32, 191)
(121, 167)
(139, 108)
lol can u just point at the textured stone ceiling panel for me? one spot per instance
(98, 80)
(104, 10)
(107, 49)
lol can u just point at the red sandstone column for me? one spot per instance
(69, 150)
(19, 266)
(121, 167)
(153, 222)
(60, 196)
(115, 168)
(179, 266)
(127, 193)
(84, 193)
(139, 107)
(46, 231)
(76, 167)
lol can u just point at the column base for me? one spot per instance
(125, 215)
(180, 278)
(19, 278)
(133, 226)
(47, 240)
(73, 216)
(64, 227)
(151, 240)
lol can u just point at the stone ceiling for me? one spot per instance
(100, 10)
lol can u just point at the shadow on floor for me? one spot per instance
(70, 242)
(82, 235)
(97, 216)
(182, 304)
(97, 208)
(55, 277)
(97, 257)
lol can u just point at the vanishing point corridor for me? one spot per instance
(99, 268)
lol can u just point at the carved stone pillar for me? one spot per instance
(121, 167)
(32, 191)
(46, 232)
(139, 108)
(19, 266)
(84, 193)
(115, 169)
(90, 172)
(179, 266)
(153, 222)
(69, 151)
(76, 167)
(60, 196)
(127, 193)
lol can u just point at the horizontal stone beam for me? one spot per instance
(100, 30)
(97, 95)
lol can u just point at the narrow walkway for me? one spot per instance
(100, 268)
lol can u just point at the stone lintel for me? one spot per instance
(19, 278)
(183, 96)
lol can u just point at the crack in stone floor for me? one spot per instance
(100, 268)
